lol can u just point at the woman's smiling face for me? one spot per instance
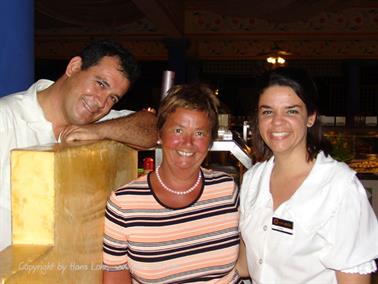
(283, 120)
(185, 139)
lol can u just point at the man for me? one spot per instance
(66, 110)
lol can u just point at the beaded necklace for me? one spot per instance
(175, 191)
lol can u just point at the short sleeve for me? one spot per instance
(352, 232)
(115, 239)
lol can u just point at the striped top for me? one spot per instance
(196, 244)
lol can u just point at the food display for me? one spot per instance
(357, 147)
(367, 166)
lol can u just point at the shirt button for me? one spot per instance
(260, 261)
(265, 227)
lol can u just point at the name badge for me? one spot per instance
(283, 226)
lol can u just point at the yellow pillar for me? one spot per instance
(58, 199)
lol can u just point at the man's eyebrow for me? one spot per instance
(104, 81)
(287, 107)
(294, 106)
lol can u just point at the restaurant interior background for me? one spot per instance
(226, 45)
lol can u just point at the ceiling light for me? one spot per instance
(276, 60)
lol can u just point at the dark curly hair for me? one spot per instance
(94, 52)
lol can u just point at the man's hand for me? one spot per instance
(78, 133)
(137, 130)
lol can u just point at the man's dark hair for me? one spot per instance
(94, 52)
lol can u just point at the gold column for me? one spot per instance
(58, 199)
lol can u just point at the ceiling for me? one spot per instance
(215, 29)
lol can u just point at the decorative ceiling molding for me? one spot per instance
(299, 49)
(360, 22)
(65, 48)
(215, 29)
(282, 11)
(221, 49)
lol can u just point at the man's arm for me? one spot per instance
(137, 130)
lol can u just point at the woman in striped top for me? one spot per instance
(178, 224)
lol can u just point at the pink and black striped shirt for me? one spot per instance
(196, 244)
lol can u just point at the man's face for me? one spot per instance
(90, 94)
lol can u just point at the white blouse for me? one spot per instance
(327, 225)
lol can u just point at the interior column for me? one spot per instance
(17, 45)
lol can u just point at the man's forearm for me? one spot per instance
(137, 130)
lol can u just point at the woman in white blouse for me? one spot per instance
(305, 217)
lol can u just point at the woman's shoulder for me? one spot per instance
(214, 175)
(256, 170)
(252, 184)
(330, 184)
(331, 171)
(140, 183)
